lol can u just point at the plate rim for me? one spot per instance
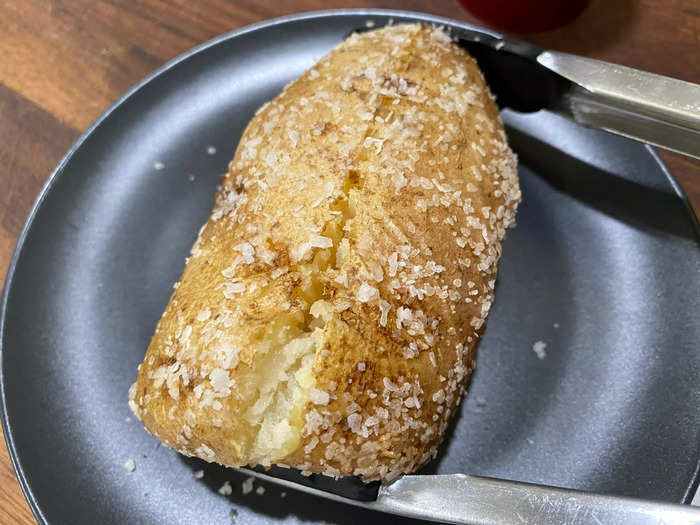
(65, 160)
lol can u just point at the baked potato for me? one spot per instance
(328, 315)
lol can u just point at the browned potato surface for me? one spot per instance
(328, 316)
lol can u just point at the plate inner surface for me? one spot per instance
(603, 267)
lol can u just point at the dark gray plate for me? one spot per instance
(603, 267)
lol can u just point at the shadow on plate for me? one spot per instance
(642, 207)
(277, 502)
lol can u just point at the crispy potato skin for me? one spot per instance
(380, 183)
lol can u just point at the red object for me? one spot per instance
(525, 16)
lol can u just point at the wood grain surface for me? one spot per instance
(63, 62)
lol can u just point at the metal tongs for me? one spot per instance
(650, 108)
(475, 500)
(643, 106)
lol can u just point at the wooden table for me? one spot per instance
(63, 62)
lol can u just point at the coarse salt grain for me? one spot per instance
(374, 142)
(399, 181)
(219, 380)
(355, 422)
(231, 289)
(384, 308)
(319, 241)
(539, 349)
(260, 490)
(319, 397)
(247, 485)
(247, 252)
(371, 421)
(211, 150)
(204, 450)
(199, 474)
(130, 465)
(231, 270)
(389, 385)
(410, 351)
(393, 264)
(366, 293)
(431, 355)
(158, 165)
(225, 489)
